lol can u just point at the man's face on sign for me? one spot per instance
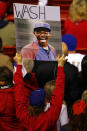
(42, 37)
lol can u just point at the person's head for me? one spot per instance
(78, 118)
(42, 32)
(0, 45)
(49, 87)
(70, 41)
(84, 66)
(37, 102)
(64, 49)
(84, 96)
(28, 64)
(78, 10)
(6, 76)
(39, 97)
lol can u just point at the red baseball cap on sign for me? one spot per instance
(3, 7)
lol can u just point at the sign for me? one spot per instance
(26, 17)
(34, 12)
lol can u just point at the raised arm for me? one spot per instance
(58, 94)
(56, 101)
(21, 104)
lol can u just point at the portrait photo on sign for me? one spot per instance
(38, 31)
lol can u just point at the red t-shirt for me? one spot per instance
(79, 30)
(46, 121)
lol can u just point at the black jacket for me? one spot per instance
(46, 71)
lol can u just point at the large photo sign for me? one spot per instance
(38, 31)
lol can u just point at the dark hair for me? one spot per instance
(79, 122)
(6, 75)
(35, 110)
(84, 66)
(0, 45)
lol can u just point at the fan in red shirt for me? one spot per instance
(8, 120)
(34, 117)
(76, 24)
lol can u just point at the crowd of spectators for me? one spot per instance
(45, 95)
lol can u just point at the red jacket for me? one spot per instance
(79, 30)
(8, 120)
(46, 121)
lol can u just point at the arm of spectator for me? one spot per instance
(57, 95)
(21, 104)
